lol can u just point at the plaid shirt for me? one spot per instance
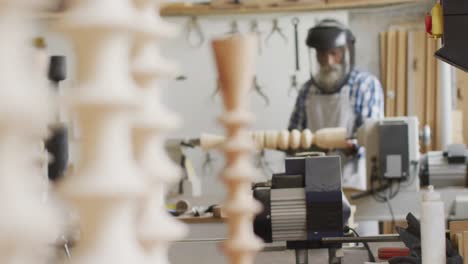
(366, 95)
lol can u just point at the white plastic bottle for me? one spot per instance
(432, 228)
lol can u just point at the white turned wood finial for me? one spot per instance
(107, 185)
(235, 59)
(156, 228)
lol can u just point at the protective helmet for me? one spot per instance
(329, 34)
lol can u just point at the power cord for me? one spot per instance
(384, 190)
(366, 245)
(380, 189)
(386, 196)
(390, 209)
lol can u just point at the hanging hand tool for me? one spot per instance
(193, 28)
(278, 30)
(234, 28)
(256, 86)
(294, 83)
(255, 30)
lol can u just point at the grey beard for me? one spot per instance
(328, 78)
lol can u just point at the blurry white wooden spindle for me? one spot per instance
(157, 228)
(107, 184)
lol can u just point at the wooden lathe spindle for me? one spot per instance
(235, 59)
(106, 186)
(157, 229)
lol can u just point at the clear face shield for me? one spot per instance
(330, 68)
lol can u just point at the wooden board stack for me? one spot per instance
(153, 121)
(29, 227)
(107, 185)
(235, 59)
(410, 77)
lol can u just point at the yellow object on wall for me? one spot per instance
(437, 21)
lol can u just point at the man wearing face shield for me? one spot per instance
(337, 94)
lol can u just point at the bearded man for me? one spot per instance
(337, 94)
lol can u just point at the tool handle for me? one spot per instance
(295, 22)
